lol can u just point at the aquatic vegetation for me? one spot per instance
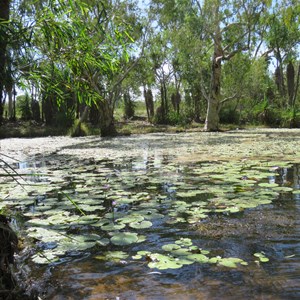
(261, 256)
(119, 195)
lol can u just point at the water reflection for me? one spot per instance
(273, 229)
(32, 170)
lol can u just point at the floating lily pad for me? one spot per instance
(163, 262)
(170, 247)
(130, 219)
(115, 256)
(140, 225)
(268, 185)
(124, 238)
(200, 258)
(77, 243)
(184, 242)
(110, 226)
(261, 256)
(230, 262)
(45, 257)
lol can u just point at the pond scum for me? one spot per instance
(109, 197)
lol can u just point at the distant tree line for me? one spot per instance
(208, 61)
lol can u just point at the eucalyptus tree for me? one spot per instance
(232, 26)
(222, 29)
(159, 60)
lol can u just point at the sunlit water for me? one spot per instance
(273, 229)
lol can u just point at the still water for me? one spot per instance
(273, 229)
(230, 208)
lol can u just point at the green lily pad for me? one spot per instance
(261, 256)
(201, 258)
(268, 185)
(141, 225)
(44, 257)
(112, 226)
(115, 256)
(184, 242)
(163, 262)
(170, 247)
(230, 262)
(124, 238)
(130, 219)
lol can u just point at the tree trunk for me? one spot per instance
(10, 104)
(149, 104)
(9, 89)
(290, 76)
(296, 86)
(107, 126)
(212, 115)
(176, 99)
(197, 104)
(164, 102)
(4, 16)
(279, 77)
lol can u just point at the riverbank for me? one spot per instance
(139, 125)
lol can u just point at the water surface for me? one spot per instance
(233, 195)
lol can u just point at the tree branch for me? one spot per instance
(199, 6)
(203, 91)
(228, 98)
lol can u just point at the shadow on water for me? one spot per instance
(272, 228)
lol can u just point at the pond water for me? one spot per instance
(162, 216)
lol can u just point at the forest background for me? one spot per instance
(185, 63)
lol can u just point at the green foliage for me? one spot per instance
(181, 119)
(290, 118)
(23, 107)
(266, 113)
(71, 53)
(129, 106)
(229, 114)
(64, 118)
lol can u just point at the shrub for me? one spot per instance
(229, 114)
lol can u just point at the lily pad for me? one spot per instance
(110, 226)
(44, 257)
(124, 238)
(141, 225)
(261, 256)
(115, 256)
(170, 247)
(230, 262)
(163, 262)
